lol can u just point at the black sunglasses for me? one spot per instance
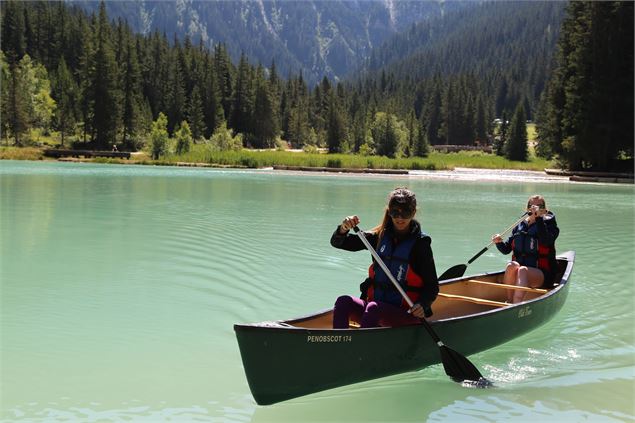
(398, 213)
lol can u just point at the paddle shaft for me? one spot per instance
(456, 365)
(381, 264)
(492, 243)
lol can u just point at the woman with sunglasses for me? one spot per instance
(406, 251)
(532, 244)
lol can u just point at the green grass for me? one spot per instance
(257, 159)
(531, 132)
(435, 161)
(21, 153)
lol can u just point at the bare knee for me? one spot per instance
(511, 271)
(343, 301)
(372, 307)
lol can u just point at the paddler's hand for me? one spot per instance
(348, 223)
(497, 239)
(417, 311)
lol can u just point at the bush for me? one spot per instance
(281, 145)
(183, 138)
(366, 150)
(223, 140)
(310, 149)
(250, 162)
(337, 163)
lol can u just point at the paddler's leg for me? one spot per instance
(511, 278)
(347, 307)
(528, 276)
(391, 315)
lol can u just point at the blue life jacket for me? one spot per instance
(525, 245)
(396, 257)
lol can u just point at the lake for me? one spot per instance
(120, 286)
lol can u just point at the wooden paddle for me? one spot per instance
(459, 270)
(459, 368)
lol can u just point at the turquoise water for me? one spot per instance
(120, 286)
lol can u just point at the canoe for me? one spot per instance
(290, 358)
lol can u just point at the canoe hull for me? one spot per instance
(284, 361)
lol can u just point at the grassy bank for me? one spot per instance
(21, 153)
(258, 159)
(435, 161)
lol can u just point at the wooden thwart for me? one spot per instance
(473, 300)
(505, 286)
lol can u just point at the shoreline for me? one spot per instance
(458, 173)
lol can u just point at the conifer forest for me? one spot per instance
(472, 77)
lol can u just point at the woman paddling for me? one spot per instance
(406, 250)
(532, 244)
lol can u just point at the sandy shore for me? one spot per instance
(471, 174)
(459, 174)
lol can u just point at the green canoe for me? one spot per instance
(289, 358)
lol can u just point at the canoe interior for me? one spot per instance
(467, 296)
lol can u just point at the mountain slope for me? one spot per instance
(507, 46)
(320, 38)
(484, 37)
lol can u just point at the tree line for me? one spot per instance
(109, 85)
(586, 112)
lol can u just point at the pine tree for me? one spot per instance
(298, 127)
(224, 73)
(242, 104)
(87, 79)
(422, 146)
(195, 115)
(66, 94)
(411, 126)
(336, 129)
(384, 134)
(433, 116)
(15, 104)
(175, 99)
(481, 122)
(5, 80)
(586, 116)
(265, 125)
(503, 134)
(516, 144)
(132, 95)
(451, 115)
(13, 42)
(106, 98)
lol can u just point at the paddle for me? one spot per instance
(459, 270)
(459, 368)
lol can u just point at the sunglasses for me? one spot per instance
(541, 206)
(396, 213)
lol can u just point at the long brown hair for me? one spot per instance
(401, 196)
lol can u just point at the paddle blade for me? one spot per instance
(460, 369)
(453, 272)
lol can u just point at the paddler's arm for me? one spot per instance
(343, 239)
(548, 229)
(423, 265)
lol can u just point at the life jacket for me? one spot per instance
(528, 251)
(396, 257)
